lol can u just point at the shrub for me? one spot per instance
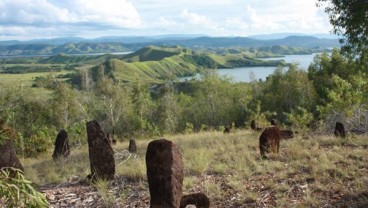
(18, 191)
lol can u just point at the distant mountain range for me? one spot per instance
(74, 45)
(284, 35)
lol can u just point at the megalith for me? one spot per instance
(199, 200)
(164, 173)
(340, 130)
(227, 130)
(101, 154)
(132, 146)
(61, 145)
(8, 157)
(253, 125)
(269, 141)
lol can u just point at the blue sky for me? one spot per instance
(30, 19)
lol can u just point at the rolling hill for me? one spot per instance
(154, 64)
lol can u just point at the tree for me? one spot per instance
(114, 104)
(285, 91)
(349, 19)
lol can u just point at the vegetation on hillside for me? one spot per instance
(126, 102)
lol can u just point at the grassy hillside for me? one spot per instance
(152, 53)
(309, 171)
(68, 48)
(73, 59)
(161, 63)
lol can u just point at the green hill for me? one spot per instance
(155, 64)
(75, 59)
(154, 53)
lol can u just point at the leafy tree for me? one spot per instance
(167, 111)
(285, 91)
(143, 107)
(114, 104)
(218, 101)
(339, 83)
(342, 97)
(65, 106)
(349, 19)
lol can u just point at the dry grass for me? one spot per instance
(314, 171)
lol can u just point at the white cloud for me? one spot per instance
(144, 17)
(199, 20)
(117, 13)
(30, 12)
(164, 22)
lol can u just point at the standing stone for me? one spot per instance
(164, 173)
(101, 154)
(61, 145)
(227, 130)
(253, 125)
(132, 146)
(8, 157)
(269, 141)
(199, 200)
(340, 130)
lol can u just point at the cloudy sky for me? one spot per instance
(30, 19)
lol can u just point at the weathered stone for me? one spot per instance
(8, 157)
(340, 130)
(269, 140)
(199, 200)
(287, 134)
(101, 154)
(164, 174)
(132, 146)
(273, 122)
(61, 145)
(253, 125)
(227, 130)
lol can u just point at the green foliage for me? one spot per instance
(299, 118)
(341, 97)
(340, 83)
(18, 191)
(38, 143)
(285, 91)
(102, 187)
(349, 19)
(188, 128)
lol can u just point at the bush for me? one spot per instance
(18, 192)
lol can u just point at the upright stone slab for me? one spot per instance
(199, 200)
(101, 154)
(8, 157)
(132, 146)
(61, 145)
(340, 130)
(164, 174)
(253, 125)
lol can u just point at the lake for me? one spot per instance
(247, 74)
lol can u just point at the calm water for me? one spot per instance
(247, 74)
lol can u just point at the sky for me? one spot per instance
(32, 19)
